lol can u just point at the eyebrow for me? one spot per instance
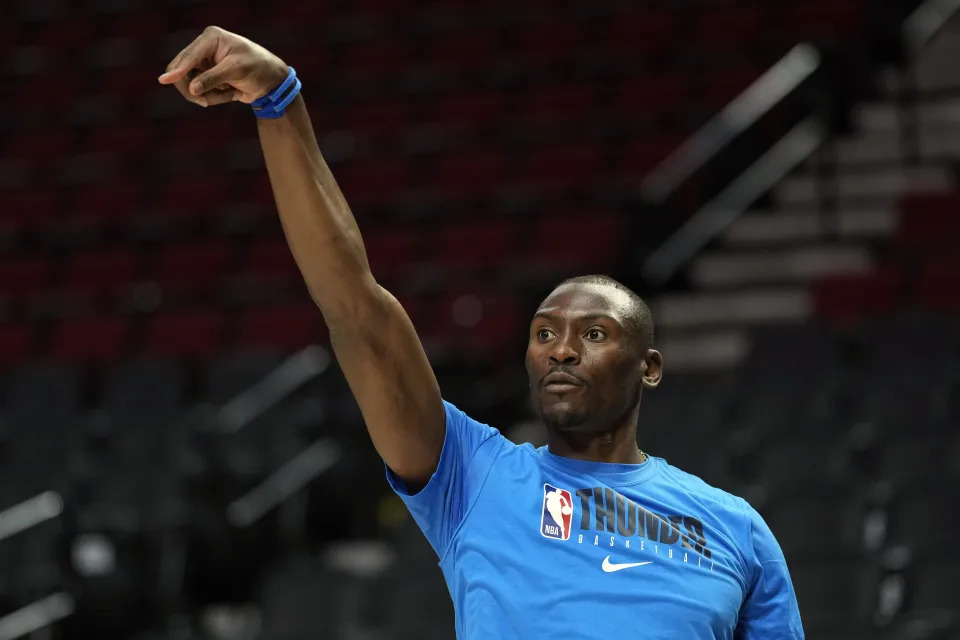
(593, 316)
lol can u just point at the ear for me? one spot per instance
(652, 368)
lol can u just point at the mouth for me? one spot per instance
(559, 382)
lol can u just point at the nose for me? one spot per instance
(564, 353)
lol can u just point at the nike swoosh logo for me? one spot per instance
(610, 567)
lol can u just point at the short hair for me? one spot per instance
(639, 324)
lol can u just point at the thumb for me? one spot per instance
(220, 74)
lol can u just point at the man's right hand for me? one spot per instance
(220, 66)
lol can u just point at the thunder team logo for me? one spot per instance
(557, 513)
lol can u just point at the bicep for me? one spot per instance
(390, 376)
(769, 611)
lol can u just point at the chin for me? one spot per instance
(566, 416)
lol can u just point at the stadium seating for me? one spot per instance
(488, 151)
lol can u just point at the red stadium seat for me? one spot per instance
(852, 297)
(143, 24)
(16, 343)
(103, 203)
(292, 326)
(271, 259)
(651, 96)
(209, 133)
(476, 244)
(29, 206)
(42, 147)
(727, 28)
(47, 89)
(462, 51)
(67, 32)
(188, 195)
(22, 276)
(929, 220)
(190, 333)
(121, 137)
(475, 108)
(825, 19)
(101, 269)
(90, 339)
(191, 267)
(584, 240)
(487, 324)
(548, 42)
(381, 8)
(130, 83)
(938, 285)
(382, 56)
(374, 181)
(637, 158)
(638, 35)
(381, 117)
(470, 172)
(391, 248)
(233, 16)
(562, 166)
(563, 100)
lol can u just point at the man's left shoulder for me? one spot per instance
(699, 488)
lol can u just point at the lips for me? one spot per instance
(560, 381)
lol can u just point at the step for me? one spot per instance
(889, 116)
(878, 185)
(711, 309)
(786, 228)
(703, 350)
(874, 147)
(794, 265)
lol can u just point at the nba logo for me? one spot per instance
(557, 513)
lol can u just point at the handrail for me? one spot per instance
(284, 482)
(742, 112)
(925, 21)
(30, 513)
(713, 217)
(36, 615)
(292, 373)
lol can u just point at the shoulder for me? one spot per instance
(472, 434)
(696, 486)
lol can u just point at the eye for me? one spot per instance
(544, 334)
(596, 334)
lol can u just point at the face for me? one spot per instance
(586, 373)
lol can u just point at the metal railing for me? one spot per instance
(742, 113)
(795, 146)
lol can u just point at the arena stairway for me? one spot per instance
(853, 230)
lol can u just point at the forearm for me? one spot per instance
(319, 226)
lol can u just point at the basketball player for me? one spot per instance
(587, 537)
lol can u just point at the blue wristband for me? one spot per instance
(274, 104)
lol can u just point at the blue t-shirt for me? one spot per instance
(534, 545)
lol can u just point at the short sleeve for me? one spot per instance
(769, 611)
(440, 506)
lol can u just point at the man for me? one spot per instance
(587, 537)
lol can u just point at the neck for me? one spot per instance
(618, 445)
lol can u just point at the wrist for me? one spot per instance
(274, 104)
(273, 78)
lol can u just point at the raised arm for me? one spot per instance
(372, 337)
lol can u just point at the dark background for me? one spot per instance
(488, 151)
